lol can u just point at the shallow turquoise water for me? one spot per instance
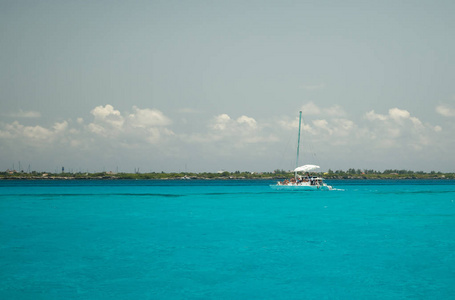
(226, 240)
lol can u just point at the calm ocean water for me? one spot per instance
(226, 240)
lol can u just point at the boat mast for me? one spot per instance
(298, 144)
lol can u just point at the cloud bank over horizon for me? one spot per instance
(174, 86)
(152, 140)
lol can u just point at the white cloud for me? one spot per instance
(242, 124)
(106, 116)
(60, 127)
(155, 135)
(24, 114)
(235, 133)
(33, 134)
(335, 111)
(343, 127)
(96, 128)
(398, 116)
(221, 122)
(112, 133)
(377, 133)
(147, 118)
(310, 109)
(445, 111)
(398, 129)
(141, 125)
(371, 115)
(249, 122)
(102, 112)
(36, 132)
(322, 124)
(293, 124)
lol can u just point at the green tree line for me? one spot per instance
(350, 173)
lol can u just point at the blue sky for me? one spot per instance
(217, 85)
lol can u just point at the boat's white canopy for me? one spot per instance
(306, 168)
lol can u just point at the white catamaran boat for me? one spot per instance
(305, 182)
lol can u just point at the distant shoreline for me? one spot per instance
(351, 174)
(66, 178)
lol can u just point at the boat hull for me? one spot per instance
(294, 187)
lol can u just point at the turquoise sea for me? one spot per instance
(226, 240)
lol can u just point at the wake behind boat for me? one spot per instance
(305, 182)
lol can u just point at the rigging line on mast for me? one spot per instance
(311, 154)
(286, 156)
(298, 141)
